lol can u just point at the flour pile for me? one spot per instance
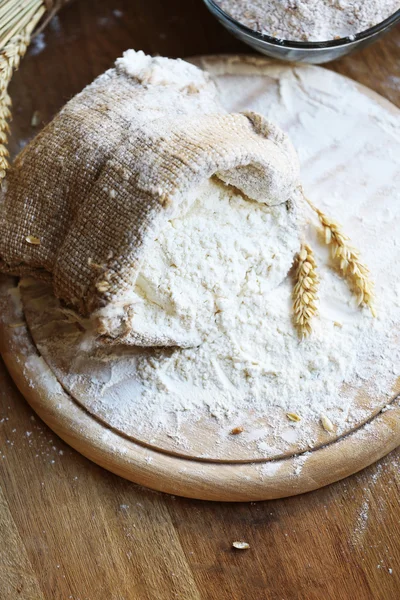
(250, 368)
(213, 265)
(310, 20)
(252, 359)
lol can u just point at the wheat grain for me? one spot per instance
(348, 259)
(293, 417)
(327, 424)
(237, 430)
(241, 545)
(305, 291)
(102, 286)
(33, 240)
(35, 120)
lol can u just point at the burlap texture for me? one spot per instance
(97, 184)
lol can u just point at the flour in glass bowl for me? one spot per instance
(309, 20)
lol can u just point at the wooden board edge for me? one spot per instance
(258, 63)
(182, 476)
(205, 481)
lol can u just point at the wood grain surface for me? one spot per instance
(71, 530)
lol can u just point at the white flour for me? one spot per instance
(252, 360)
(220, 257)
(309, 20)
(251, 368)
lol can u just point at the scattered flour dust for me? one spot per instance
(250, 368)
(250, 358)
(251, 361)
(38, 44)
(310, 20)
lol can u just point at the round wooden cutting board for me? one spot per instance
(72, 392)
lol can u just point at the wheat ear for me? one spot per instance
(349, 259)
(19, 21)
(5, 115)
(305, 291)
(9, 61)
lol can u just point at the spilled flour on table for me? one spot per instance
(251, 368)
(38, 44)
(373, 498)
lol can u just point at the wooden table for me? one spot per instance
(70, 530)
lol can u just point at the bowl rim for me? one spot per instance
(282, 43)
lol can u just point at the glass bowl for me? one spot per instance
(308, 52)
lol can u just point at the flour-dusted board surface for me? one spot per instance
(340, 130)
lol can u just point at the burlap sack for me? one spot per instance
(97, 184)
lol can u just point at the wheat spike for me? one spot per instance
(17, 21)
(5, 115)
(9, 61)
(348, 258)
(305, 291)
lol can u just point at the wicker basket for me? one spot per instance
(20, 21)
